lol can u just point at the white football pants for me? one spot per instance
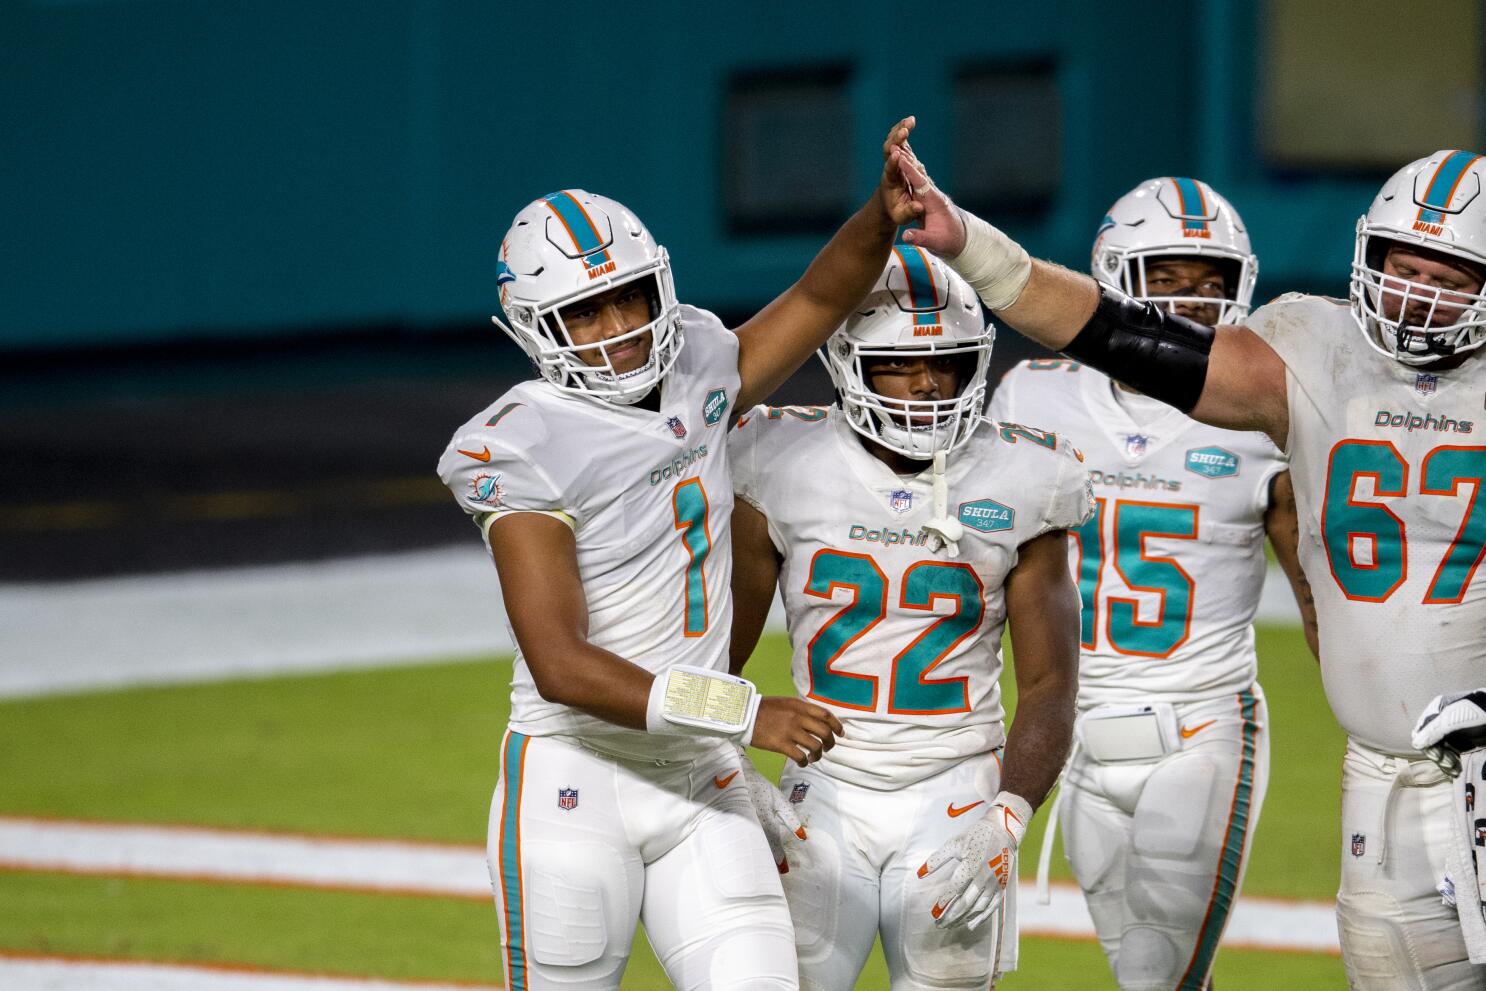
(1160, 847)
(581, 846)
(1397, 934)
(857, 874)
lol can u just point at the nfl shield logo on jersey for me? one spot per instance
(1135, 445)
(567, 799)
(1359, 844)
(1425, 383)
(798, 792)
(901, 500)
(677, 427)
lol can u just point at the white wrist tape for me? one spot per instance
(690, 701)
(996, 267)
(1020, 814)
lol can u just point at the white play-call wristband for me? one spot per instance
(691, 701)
(996, 267)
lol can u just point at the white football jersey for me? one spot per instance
(649, 498)
(898, 638)
(1388, 462)
(1171, 564)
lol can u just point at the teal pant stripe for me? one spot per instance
(1225, 890)
(510, 862)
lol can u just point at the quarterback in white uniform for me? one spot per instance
(1162, 795)
(902, 530)
(603, 493)
(1378, 404)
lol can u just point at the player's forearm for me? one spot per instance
(592, 680)
(845, 269)
(1039, 741)
(781, 337)
(1054, 305)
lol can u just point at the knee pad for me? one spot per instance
(1376, 952)
(1149, 960)
(761, 958)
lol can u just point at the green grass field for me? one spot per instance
(412, 753)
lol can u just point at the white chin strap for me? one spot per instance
(620, 378)
(945, 530)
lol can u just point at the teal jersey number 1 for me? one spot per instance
(689, 502)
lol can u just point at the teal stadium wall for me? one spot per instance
(187, 168)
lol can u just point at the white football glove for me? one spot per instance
(775, 813)
(987, 855)
(1451, 725)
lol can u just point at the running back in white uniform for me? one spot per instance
(862, 580)
(593, 824)
(1170, 570)
(902, 641)
(1387, 461)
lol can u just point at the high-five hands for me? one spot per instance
(941, 228)
(897, 199)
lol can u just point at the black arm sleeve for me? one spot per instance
(1147, 348)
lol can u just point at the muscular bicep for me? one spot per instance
(1042, 607)
(536, 557)
(1245, 386)
(755, 577)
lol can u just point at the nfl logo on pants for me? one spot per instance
(567, 799)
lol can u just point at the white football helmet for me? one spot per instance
(570, 245)
(1175, 216)
(918, 306)
(1436, 203)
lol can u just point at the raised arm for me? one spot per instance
(1282, 525)
(755, 577)
(1227, 377)
(785, 333)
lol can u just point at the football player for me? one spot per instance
(603, 493)
(1162, 795)
(902, 530)
(1377, 402)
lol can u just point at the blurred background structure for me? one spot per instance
(247, 253)
(246, 269)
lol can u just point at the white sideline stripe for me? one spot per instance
(353, 613)
(209, 854)
(88, 975)
(106, 848)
